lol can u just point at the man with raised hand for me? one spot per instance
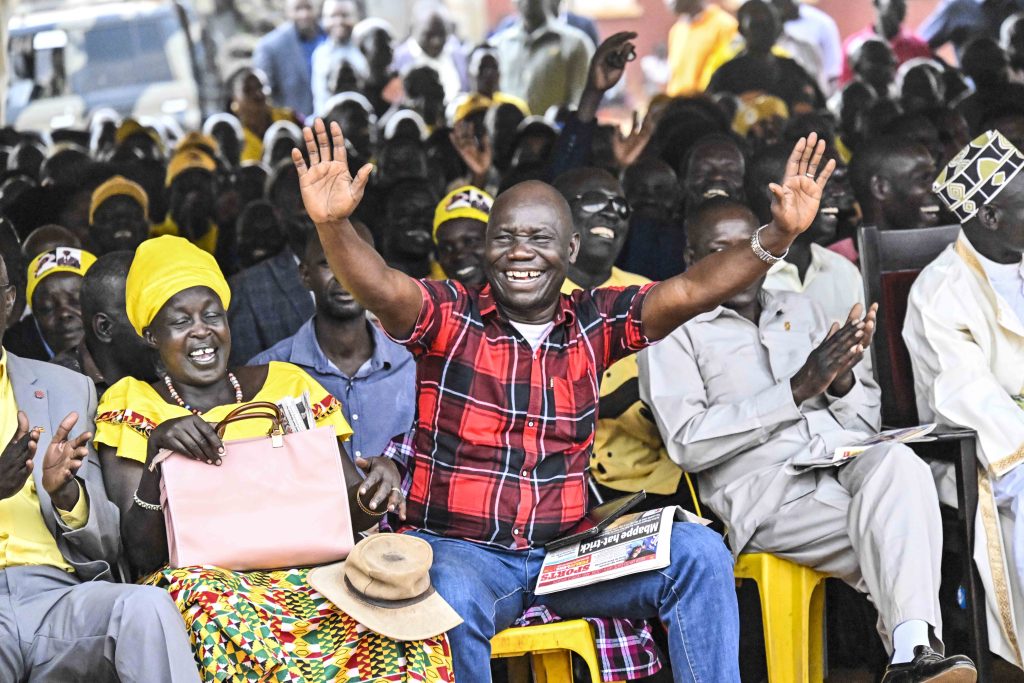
(507, 403)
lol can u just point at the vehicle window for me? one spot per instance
(119, 54)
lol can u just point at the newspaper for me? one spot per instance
(297, 412)
(905, 435)
(636, 542)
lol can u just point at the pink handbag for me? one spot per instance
(275, 502)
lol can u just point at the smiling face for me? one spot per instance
(119, 223)
(431, 34)
(460, 249)
(339, 17)
(715, 169)
(191, 334)
(332, 300)
(600, 216)
(57, 310)
(530, 243)
(904, 190)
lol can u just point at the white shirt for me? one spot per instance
(443, 64)
(831, 280)
(534, 334)
(1008, 281)
(819, 29)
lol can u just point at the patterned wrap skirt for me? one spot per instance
(273, 627)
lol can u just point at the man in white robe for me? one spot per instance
(965, 333)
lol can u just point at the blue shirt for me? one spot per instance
(959, 21)
(379, 401)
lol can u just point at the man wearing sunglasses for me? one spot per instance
(507, 376)
(628, 455)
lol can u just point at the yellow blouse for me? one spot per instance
(131, 409)
(252, 144)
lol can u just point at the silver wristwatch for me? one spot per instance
(762, 253)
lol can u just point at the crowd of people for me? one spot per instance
(510, 311)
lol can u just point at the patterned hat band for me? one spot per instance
(978, 173)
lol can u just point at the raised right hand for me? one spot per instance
(16, 458)
(189, 435)
(329, 191)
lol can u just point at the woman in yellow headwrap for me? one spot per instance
(245, 626)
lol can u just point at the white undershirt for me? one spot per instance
(1008, 281)
(534, 334)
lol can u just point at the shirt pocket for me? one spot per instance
(572, 414)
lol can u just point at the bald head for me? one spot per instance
(715, 222)
(47, 238)
(530, 242)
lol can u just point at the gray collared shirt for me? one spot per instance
(719, 387)
(548, 66)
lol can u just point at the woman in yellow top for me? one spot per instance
(245, 626)
(249, 91)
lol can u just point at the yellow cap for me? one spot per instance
(196, 140)
(116, 187)
(758, 109)
(164, 266)
(188, 159)
(130, 127)
(59, 260)
(465, 202)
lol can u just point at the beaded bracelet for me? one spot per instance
(152, 507)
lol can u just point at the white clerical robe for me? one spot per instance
(967, 347)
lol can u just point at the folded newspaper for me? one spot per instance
(297, 412)
(636, 542)
(844, 454)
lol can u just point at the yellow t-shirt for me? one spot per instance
(24, 538)
(252, 145)
(207, 242)
(628, 452)
(691, 44)
(131, 409)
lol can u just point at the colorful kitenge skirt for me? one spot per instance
(273, 627)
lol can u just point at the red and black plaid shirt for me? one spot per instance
(503, 432)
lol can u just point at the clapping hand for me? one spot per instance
(16, 458)
(329, 191)
(795, 202)
(830, 366)
(62, 461)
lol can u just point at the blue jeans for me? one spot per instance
(695, 597)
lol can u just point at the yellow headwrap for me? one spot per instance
(59, 260)
(190, 157)
(164, 266)
(116, 187)
(465, 202)
(760, 108)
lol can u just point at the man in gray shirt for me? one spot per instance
(747, 393)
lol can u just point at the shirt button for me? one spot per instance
(359, 454)
(355, 417)
(526, 473)
(530, 423)
(516, 531)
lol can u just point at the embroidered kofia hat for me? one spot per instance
(977, 174)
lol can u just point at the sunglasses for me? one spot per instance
(596, 202)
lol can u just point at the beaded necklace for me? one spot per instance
(174, 394)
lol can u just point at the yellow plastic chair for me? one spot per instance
(792, 612)
(549, 647)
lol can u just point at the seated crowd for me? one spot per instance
(510, 313)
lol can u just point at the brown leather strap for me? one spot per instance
(257, 410)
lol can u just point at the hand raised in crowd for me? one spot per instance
(829, 367)
(609, 61)
(191, 436)
(384, 482)
(795, 202)
(329, 191)
(16, 458)
(63, 458)
(476, 153)
(628, 148)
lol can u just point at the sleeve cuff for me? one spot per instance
(79, 516)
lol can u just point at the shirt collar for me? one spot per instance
(564, 314)
(306, 351)
(771, 305)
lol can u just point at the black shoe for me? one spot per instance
(928, 666)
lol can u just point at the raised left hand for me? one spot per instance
(64, 457)
(609, 61)
(382, 483)
(795, 202)
(628, 148)
(476, 154)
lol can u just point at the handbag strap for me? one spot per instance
(257, 410)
